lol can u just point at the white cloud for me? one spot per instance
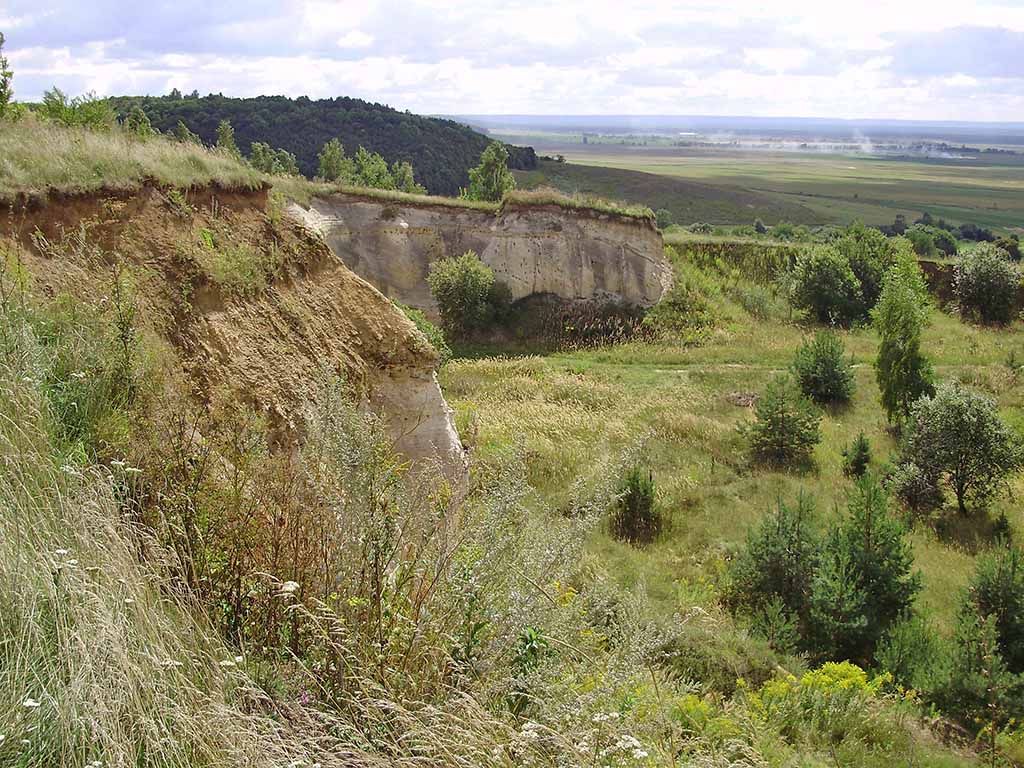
(788, 57)
(355, 39)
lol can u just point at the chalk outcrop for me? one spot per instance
(575, 254)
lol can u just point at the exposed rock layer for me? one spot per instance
(576, 254)
(270, 347)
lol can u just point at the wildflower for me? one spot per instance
(602, 717)
(30, 703)
(170, 663)
(132, 471)
(61, 552)
(639, 754)
(227, 663)
(79, 375)
(68, 469)
(239, 659)
(119, 463)
(129, 601)
(289, 587)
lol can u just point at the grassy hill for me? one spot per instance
(441, 151)
(688, 201)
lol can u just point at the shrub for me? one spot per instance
(82, 111)
(636, 517)
(865, 583)
(778, 563)
(333, 164)
(663, 218)
(857, 457)
(467, 295)
(824, 285)
(957, 436)
(922, 241)
(825, 375)
(902, 371)
(787, 425)
(870, 254)
(987, 284)
(433, 334)
(1011, 245)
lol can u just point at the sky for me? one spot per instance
(902, 59)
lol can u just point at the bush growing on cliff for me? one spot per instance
(467, 295)
(986, 284)
(825, 286)
(432, 333)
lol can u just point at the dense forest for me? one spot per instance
(441, 151)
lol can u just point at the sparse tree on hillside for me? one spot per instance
(868, 553)
(958, 435)
(986, 284)
(404, 178)
(6, 76)
(870, 254)
(491, 179)
(183, 134)
(464, 289)
(334, 164)
(824, 285)
(372, 170)
(138, 123)
(903, 372)
(663, 218)
(226, 139)
(276, 162)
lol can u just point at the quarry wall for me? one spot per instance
(575, 254)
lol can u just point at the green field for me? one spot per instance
(578, 412)
(810, 187)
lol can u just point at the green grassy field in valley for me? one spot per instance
(575, 413)
(799, 187)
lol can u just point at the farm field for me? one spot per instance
(815, 187)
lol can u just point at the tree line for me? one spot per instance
(442, 151)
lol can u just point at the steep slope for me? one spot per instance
(440, 150)
(251, 305)
(573, 253)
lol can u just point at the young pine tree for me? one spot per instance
(778, 563)
(823, 371)
(867, 562)
(787, 425)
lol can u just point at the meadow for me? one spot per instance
(802, 187)
(578, 413)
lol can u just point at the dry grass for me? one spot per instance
(36, 156)
(577, 202)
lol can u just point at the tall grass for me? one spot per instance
(98, 660)
(37, 155)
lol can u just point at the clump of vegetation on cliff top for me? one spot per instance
(37, 155)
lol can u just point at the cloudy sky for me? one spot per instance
(917, 59)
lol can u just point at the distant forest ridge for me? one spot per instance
(441, 150)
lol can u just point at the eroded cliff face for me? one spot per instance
(578, 255)
(270, 346)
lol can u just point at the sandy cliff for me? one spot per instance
(271, 347)
(578, 255)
